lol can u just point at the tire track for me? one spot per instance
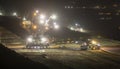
(77, 59)
(73, 62)
(107, 57)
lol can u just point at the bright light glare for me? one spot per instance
(56, 26)
(76, 24)
(29, 39)
(14, 14)
(81, 30)
(94, 42)
(24, 18)
(42, 21)
(53, 16)
(37, 11)
(43, 39)
(34, 14)
(34, 27)
(1, 13)
(54, 23)
(98, 44)
(76, 42)
(71, 28)
(35, 47)
(85, 43)
(42, 16)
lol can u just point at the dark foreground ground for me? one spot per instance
(57, 59)
(69, 59)
(11, 60)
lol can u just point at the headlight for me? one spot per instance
(35, 47)
(76, 42)
(94, 42)
(43, 39)
(29, 39)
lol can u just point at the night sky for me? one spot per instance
(87, 18)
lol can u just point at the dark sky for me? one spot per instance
(87, 18)
(28, 4)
